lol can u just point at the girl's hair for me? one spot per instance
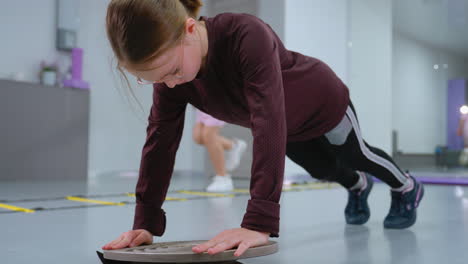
(141, 30)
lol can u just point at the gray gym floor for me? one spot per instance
(312, 223)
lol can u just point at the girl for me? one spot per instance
(206, 132)
(235, 68)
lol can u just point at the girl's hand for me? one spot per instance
(240, 237)
(131, 238)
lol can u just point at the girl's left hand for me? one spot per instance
(240, 237)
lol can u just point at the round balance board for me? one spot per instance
(181, 252)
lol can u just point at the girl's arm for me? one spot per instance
(263, 87)
(260, 67)
(164, 132)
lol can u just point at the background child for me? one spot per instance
(206, 132)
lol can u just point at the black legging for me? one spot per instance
(337, 155)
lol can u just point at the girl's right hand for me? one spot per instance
(132, 238)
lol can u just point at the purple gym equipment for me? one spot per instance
(77, 67)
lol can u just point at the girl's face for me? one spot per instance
(177, 65)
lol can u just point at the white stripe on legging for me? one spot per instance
(371, 155)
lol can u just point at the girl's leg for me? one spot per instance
(198, 133)
(355, 153)
(214, 145)
(319, 158)
(320, 161)
(340, 153)
(227, 143)
(205, 120)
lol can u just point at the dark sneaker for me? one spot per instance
(403, 209)
(357, 210)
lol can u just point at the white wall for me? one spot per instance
(273, 13)
(117, 132)
(420, 92)
(27, 30)
(370, 66)
(319, 29)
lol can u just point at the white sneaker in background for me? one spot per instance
(221, 184)
(234, 155)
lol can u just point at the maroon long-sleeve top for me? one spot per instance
(251, 80)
